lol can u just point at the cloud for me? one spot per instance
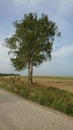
(3, 55)
(63, 53)
(5, 63)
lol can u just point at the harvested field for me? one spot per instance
(64, 83)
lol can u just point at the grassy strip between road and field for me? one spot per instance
(53, 97)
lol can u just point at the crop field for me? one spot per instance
(63, 83)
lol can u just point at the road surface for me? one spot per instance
(19, 114)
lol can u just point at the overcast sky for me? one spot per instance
(59, 11)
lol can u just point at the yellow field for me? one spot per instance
(64, 83)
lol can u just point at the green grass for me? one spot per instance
(52, 97)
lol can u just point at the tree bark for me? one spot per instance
(30, 72)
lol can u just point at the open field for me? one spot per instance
(63, 83)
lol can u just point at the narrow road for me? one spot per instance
(19, 114)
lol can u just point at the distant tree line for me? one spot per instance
(10, 74)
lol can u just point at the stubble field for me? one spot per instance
(63, 83)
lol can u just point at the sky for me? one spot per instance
(60, 12)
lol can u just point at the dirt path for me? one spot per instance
(19, 114)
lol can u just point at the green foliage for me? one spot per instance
(32, 40)
(54, 98)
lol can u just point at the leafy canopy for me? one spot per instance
(32, 40)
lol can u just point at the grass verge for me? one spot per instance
(54, 98)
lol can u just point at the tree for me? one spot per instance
(32, 42)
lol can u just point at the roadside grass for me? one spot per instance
(52, 97)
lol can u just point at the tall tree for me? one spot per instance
(32, 42)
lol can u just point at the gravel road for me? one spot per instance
(19, 114)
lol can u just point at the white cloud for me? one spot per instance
(64, 52)
(5, 63)
(3, 54)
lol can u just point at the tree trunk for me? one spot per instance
(30, 72)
